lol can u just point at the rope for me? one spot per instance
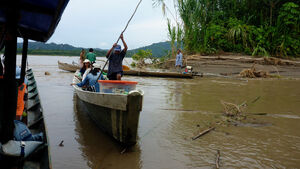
(119, 38)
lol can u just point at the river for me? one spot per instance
(174, 110)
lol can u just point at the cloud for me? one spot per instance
(97, 24)
(103, 45)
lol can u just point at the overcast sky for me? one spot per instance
(98, 23)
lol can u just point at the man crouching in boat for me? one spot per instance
(90, 82)
(115, 70)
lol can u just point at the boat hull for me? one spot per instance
(117, 115)
(67, 67)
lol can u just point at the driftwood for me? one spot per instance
(245, 59)
(124, 150)
(218, 159)
(253, 73)
(61, 144)
(233, 109)
(203, 133)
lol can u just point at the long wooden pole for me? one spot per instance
(119, 38)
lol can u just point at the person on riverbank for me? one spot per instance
(115, 69)
(178, 59)
(91, 56)
(82, 57)
(90, 82)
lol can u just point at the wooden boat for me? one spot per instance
(157, 74)
(24, 154)
(68, 67)
(116, 114)
(40, 157)
(73, 67)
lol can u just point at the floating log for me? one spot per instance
(157, 74)
(203, 133)
(218, 159)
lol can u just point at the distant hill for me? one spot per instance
(158, 49)
(38, 48)
(48, 46)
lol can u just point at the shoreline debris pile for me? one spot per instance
(253, 73)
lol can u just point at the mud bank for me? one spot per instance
(232, 65)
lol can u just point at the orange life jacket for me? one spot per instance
(20, 103)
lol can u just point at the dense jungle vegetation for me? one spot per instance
(254, 27)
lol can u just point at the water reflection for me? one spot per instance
(98, 149)
(251, 146)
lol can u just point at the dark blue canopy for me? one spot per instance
(38, 18)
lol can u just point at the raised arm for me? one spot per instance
(124, 43)
(110, 50)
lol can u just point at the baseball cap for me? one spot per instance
(97, 65)
(86, 61)
(118, 48)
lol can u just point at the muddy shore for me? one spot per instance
(231, 65)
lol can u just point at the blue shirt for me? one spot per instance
(91, 80)
(179, 60)
(115, 62)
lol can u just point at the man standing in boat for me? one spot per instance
(91, 56)
(115, 70)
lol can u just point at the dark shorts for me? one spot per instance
(113, 76)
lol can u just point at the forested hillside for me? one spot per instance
(257, 27)
(38, 48)
(158, 49)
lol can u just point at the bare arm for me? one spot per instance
(124, 43)
(110, 50)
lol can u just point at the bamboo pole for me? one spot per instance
(119, 38)
(203, 133)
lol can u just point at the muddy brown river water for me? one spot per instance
(174, 110)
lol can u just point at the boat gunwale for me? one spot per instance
(123, 97)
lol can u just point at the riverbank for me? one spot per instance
(232, 65)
